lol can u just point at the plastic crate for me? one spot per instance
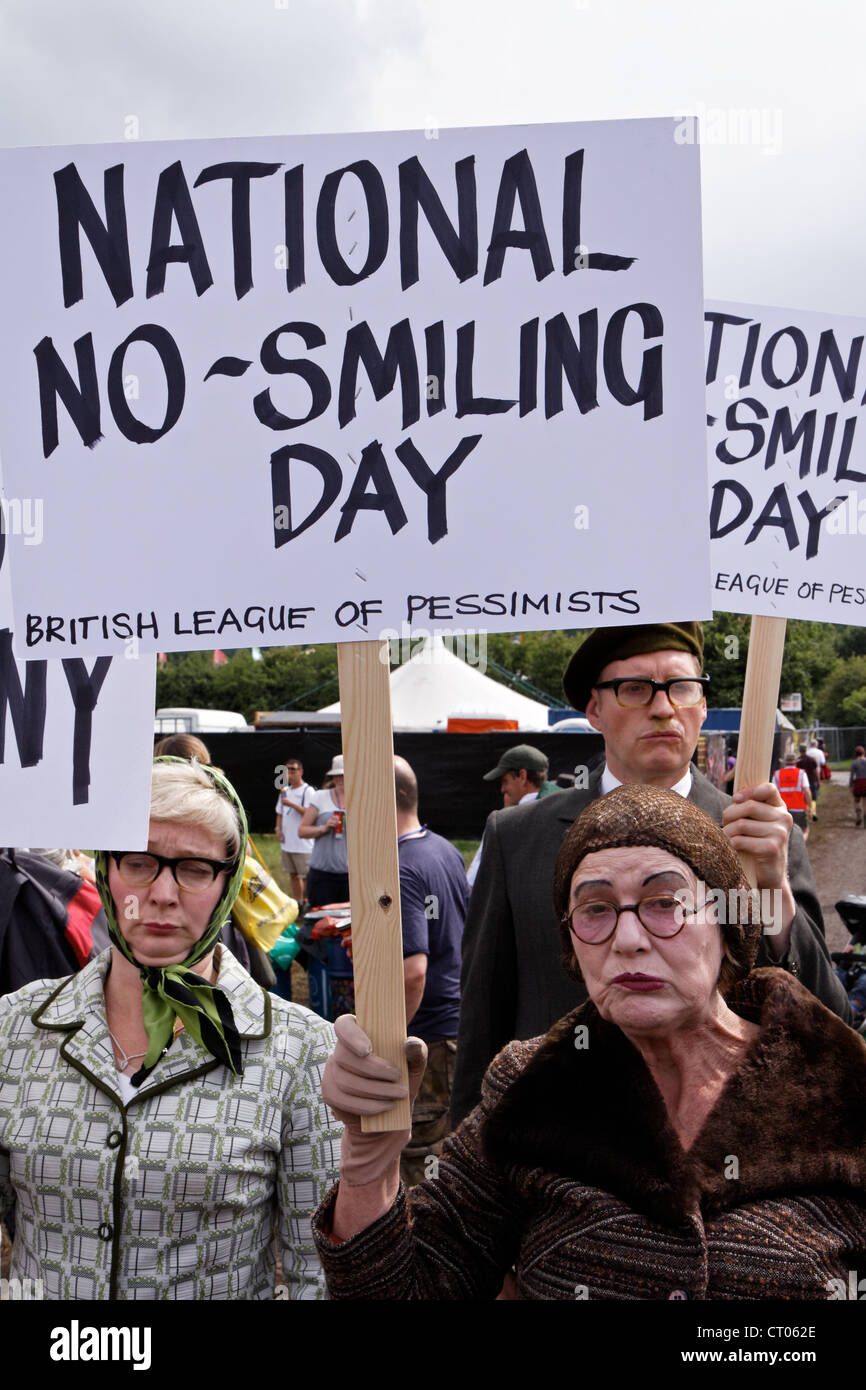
(283, 986)
(332, 982)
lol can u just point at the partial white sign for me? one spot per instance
(76, 734)
(791, 704)
(787, 461)
(310, 389)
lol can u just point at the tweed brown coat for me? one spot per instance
(571, 1171)
(512, 983)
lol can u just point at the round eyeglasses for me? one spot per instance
(633, 691)
(192, 875)
(595, 922)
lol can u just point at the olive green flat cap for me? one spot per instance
(522, 755)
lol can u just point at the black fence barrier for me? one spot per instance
(454, 800)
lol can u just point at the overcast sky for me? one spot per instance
(784, 213)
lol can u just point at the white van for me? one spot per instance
(198, 721)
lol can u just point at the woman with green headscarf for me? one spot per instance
(159, 1109)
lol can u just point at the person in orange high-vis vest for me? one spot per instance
(793, 786)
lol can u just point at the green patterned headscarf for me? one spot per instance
(176, 991)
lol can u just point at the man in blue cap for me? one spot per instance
(643, 689)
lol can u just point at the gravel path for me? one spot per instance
(837, 849)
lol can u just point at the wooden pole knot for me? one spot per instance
(385, 900)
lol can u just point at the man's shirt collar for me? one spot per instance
(608, 782)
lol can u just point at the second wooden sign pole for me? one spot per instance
(758, 716)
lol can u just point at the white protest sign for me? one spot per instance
(310, 389)
(787, 462)
(76, 735)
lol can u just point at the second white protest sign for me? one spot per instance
(787, 461)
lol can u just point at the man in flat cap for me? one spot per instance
(643, 689)
(522, 771)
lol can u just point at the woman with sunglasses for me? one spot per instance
(159, 1111)
(697, 1129)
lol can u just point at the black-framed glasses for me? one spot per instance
(294, 767)
(634, 691)
(595, 921)
(139, 870)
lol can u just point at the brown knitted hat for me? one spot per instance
(641, 815)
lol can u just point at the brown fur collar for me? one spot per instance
(793, 1116)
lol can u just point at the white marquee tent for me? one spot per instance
(434, 685)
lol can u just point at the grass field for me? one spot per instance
(467, 848)
(269, 850)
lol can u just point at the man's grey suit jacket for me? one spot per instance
(512, 982)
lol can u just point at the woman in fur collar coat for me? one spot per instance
(693, 1131)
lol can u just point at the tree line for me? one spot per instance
(825, 663)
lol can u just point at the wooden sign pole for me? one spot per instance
(758, 717)
(374, 876)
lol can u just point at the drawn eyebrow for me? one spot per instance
(594, 883)
(662, 873)
(607, 883)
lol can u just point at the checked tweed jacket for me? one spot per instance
(174, 1195)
